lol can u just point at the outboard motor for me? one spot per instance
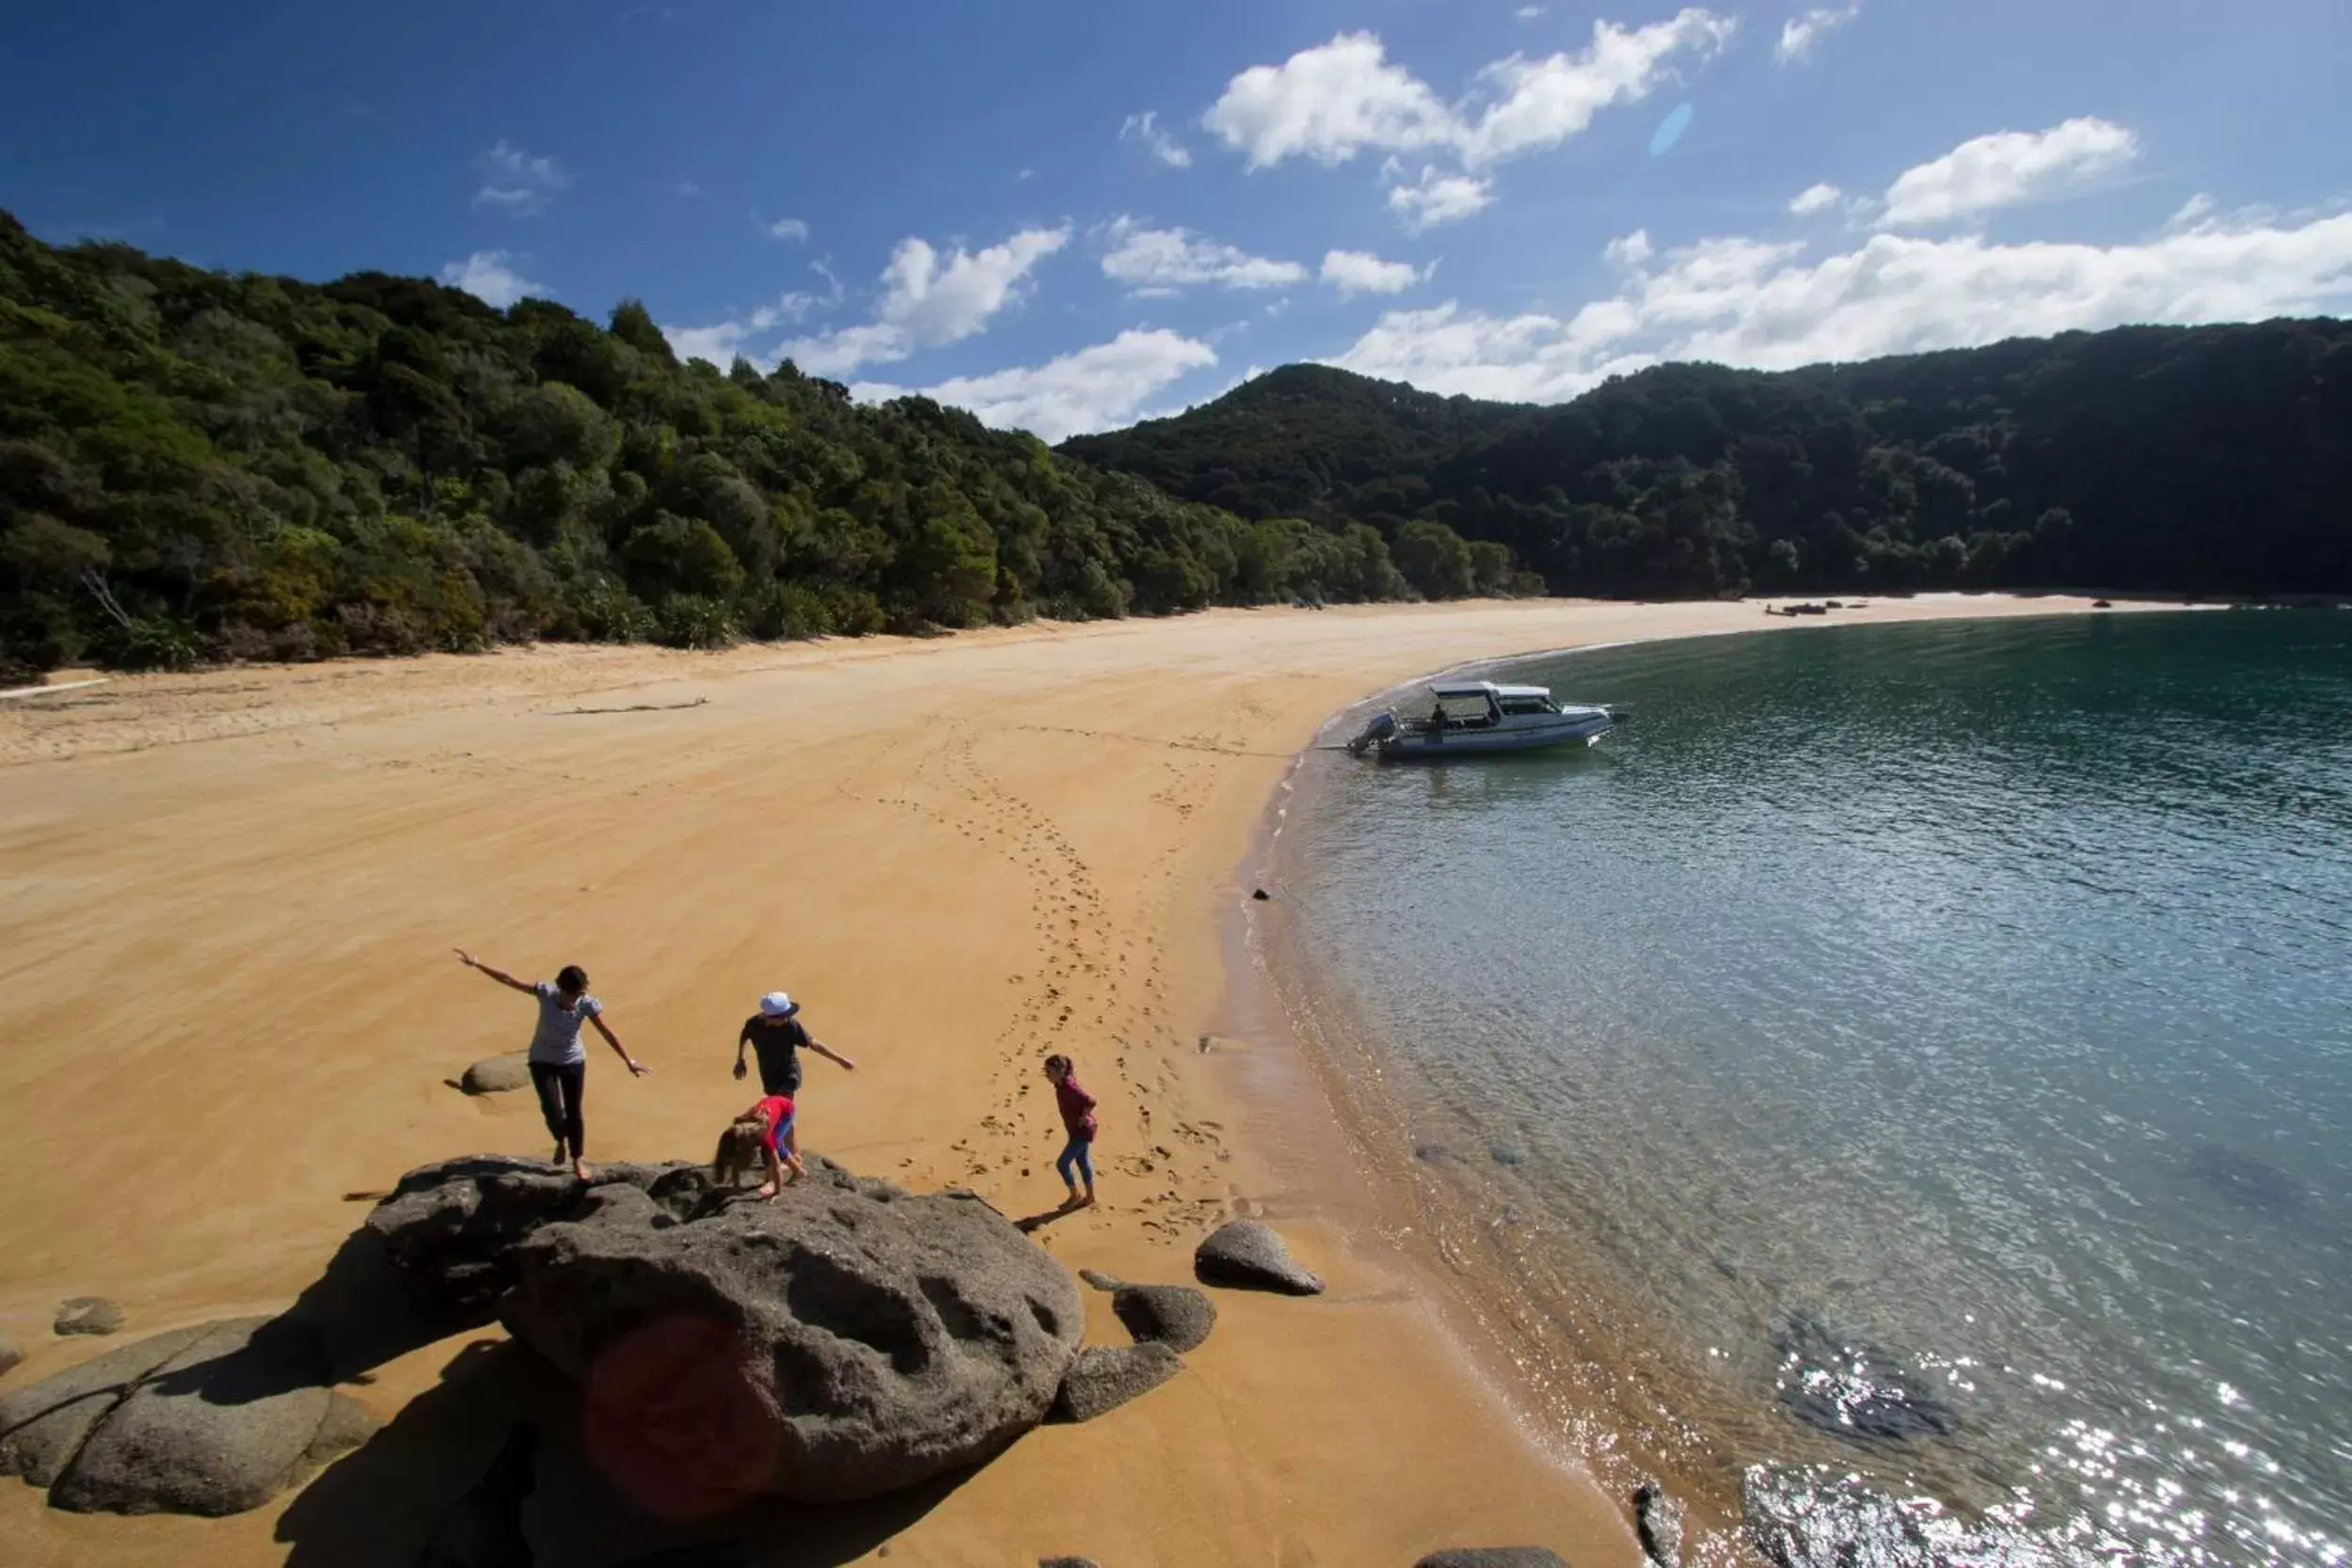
(1382, 727)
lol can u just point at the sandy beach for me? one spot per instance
(231, 1016)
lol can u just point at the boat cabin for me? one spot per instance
(1482, 704)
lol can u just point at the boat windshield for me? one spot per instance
(1529, 704)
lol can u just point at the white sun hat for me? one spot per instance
(777, 1005)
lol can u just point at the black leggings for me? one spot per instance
(561, 1090)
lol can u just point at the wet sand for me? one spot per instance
(229, 1005)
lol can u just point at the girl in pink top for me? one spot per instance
(1077, 1119)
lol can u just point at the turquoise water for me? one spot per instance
(1984, 989)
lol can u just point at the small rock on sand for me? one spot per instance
(1248, 1254)
(1494, 1557)
(1100, 1280)
(10, 1357)
(1103, 1378)
(1507, 1154)
(1067, 1562)
(498, 1074)
(1657, 1521)
(87, 1315)
(1176, 1316)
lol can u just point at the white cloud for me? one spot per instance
(1528, 13)
(1159, 261)
(515, 182)
(1628, 250)
(1093, 388)
(2191, 212)
(1741, 301)
(1440, 198)
(1336, 100)
(1144, 128)
(1816, 199)
(1357, 272)
(789, 229)
(689, 189)
(2004, 168)
(929, 300)
(487, 276)
(1799, 34)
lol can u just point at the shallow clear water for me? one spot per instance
(1985, 989)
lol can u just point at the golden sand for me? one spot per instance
(227, 1003)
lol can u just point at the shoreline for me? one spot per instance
(1049, 821)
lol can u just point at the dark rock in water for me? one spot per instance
(2101, 603)
(1176, 1316)
(87, 1315)
(214, 1419)
(1434, 1155)
(1507, 1154)
(498, 1074)
(1658, 1523)
(1493, 1557)
(1262, 896)
(2244, 1182)
(1246, 1253)
(1839, 1385)
(484, 1528)
(844, 1340)
(1103, 1378)
(1809, 1516)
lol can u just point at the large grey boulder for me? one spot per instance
(1176, 1316)
(1248, 1254)
(1494, 1557)
(1105, 1377)
(213, 1419)
(844, 1340)
(498, 1074)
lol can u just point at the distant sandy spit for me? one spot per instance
(230, 1014)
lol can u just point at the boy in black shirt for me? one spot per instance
(778, 1036)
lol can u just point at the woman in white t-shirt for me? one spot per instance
(559, 1062)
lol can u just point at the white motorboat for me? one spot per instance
(1479, 718)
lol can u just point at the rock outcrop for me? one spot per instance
(88, 1315)
(845, 1341)
(1658, 1525)
(212, 1420)
(1839, 1385)
(1103, 1378)
(1248, 1254)
(498, 1074)
(484, 1528)
(1176, 1316)
(1493, 1557)
(1811, 1517)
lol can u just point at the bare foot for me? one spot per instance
(1085, 1202)
(579, 1169)
(766, 1189)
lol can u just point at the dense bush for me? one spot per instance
(197, 465)
(2214, 460)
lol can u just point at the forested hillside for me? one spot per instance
(197, 465)
(2210, 460)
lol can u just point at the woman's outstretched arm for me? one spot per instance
(635, 1067)
(499, 975)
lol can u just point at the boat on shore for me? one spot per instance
(1480, 718)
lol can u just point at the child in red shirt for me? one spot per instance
(762, 1134)
(1077, 1118)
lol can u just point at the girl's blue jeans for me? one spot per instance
(1077, 1154)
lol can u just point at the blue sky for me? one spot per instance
(1506, 200)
